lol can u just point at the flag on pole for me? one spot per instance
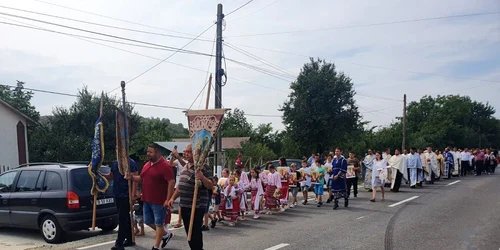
(122, 139)
(99, 183)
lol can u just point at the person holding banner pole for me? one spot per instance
(185, 191)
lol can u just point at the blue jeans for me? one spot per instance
(154, 214)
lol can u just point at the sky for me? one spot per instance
(428, 57)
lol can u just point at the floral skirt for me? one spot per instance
(271, 201)
(233, 213)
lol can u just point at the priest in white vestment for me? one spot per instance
(431, 159)
(398, 165)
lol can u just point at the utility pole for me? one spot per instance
(403, 147)
(218, 82)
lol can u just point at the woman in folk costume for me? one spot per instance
(243, 185)
(367, 170)
(379, 174)
(257, 191)
(231, 202)
(272, 189)
(285, 184)
(223, 183)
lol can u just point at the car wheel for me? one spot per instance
(108, 228)
(51, 230)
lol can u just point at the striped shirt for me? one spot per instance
(186, 188)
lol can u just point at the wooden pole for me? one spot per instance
(127, 171)
(195, 195)
(94, 208)
(403, 146)
(208, 92)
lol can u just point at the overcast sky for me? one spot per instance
(382, 60)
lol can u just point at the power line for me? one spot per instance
(379, 97)
(254, 11)
(238, 8)
(102, 25)
(93, 32)
(260, 60)
(370, 25)
(113, 18)
(271, 73)
(208, 72)
(104, 40)
(376, 67)
(154, 66)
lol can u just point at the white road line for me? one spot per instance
(282, 245)
(455, 182)
(360, 217)
(403, 201)
(96, 245)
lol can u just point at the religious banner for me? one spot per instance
(203, 125)
(99, 183)
(122, 132)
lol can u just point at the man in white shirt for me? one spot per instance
(177, 163)
(465, 159)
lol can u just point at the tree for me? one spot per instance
(321, 113)
(20, 99)
(235, 124)
(67, 134)
(443, 121)
(155, 129)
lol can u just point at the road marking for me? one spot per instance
(455, 182)
(403, 201)
(282, 245)
(96, 245)
(360, 217)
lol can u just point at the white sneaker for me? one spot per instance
(292, 206)
(282, 210)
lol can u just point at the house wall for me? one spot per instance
(9, 157)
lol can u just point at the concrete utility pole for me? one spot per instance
(218, 82)
(403, 147)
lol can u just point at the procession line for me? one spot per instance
(96, 245)
(455, 182)
(282, 245)
(403, 201)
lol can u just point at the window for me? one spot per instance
(6, 181)
(81, 180)
(53, 181)
(27, 181)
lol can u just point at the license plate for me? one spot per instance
(105, 201)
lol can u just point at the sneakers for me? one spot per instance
(117, 248)
(165, 240)
(256, 216)
(204, 228)
(292, 206)
(304, 202)
(155, 248)
(213, 223)
(282, 210)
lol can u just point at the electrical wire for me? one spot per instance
(374, 66)
(154, 66)
(96, 33)
(103, 25)
(238, 8)
(207, 76)
(260, 60)
(372, 24)
(271, 73)
(254, 12)
(113, 18)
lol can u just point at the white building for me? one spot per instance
(13, 137)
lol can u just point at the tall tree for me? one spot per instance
(321, 112)
(155, 129)
(235, 124)
(20, 98)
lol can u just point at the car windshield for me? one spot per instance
(81, 179)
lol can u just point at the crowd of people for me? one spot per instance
(224, 199)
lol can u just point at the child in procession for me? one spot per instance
(306, 180)
(216, 199)
(319, 187)
(257, 192)
(232, 202)
(296, 179)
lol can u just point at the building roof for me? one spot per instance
(227, 142)
(169, 145)
(16, 111)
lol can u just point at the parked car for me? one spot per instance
(276, 163)
(54, 198)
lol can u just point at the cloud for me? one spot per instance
(379, 59)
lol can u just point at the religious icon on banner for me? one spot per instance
(350, 171)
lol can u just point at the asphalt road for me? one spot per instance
(451, 214)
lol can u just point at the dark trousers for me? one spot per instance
(465, 168)
(124, 226)
(397, 181)
(479, 167)
(352, 182)
(196, 242)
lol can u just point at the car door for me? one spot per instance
(6, 187)
(24, 208)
